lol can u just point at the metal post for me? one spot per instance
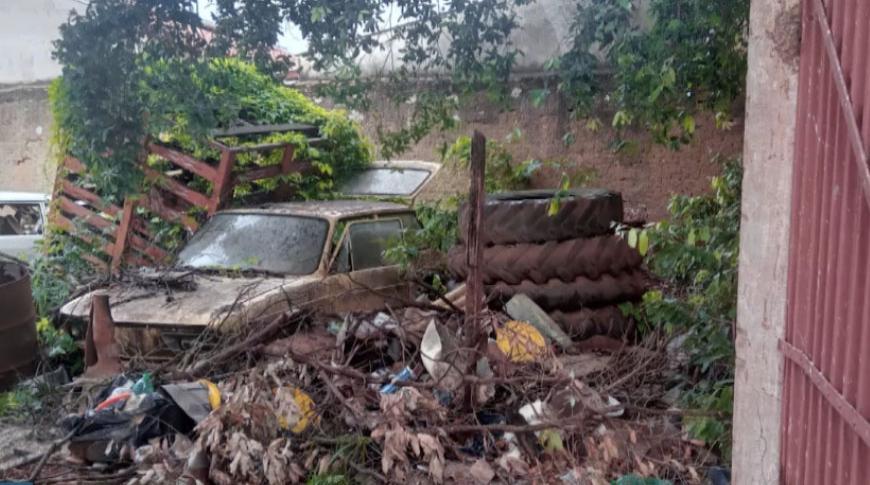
(474, 282)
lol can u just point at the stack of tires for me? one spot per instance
(571, 264)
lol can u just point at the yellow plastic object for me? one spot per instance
(214, 394)
(307, 413)
(520, 341)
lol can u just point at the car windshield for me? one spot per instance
(385, 181)
(260, 242)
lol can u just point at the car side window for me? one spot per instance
(342, 261)
(20, 219)
(369, 239)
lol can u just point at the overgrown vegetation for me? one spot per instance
(654, 64)
(650, 65)
(503, 173)
(439, 231)
(185, 100)
(695, 253)
(689, 56)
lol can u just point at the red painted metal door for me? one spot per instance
(826, 396)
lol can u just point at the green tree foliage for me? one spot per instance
(112, 48)
(695, 252)
(185, 100)
(692, 57)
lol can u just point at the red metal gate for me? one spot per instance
(826, 398)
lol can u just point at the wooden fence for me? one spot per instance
(123, 236)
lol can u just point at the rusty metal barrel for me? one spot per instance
(18, 345)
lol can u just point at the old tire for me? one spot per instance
(582, 291)
(522, 217)
(588, 322)
(540, 263)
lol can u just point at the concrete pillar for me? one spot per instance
(768, 154)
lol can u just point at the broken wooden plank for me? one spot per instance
(177, 188)
(265, 129)
(184, 161)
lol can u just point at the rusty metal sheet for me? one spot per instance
(826, 396)
(18, 344)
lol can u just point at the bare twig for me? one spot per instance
(367, 471)
(441, 296)
(338, 395)
(200, 368)
(50, 451)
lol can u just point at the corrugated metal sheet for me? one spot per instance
(826, 398)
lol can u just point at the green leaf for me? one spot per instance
(553, 207)
(625, 4)
(318, 13)
(689, 124)
(593, 125)
(643, 243)
(621, 118)
(564, 183)
(538, 96)
(632, 237)
(653, 96)
(669, 76)
(551, 440)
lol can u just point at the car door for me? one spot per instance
(21, 226)
(360, 277)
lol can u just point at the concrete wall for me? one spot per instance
(25, 126)
(771, 109)
(27, 29)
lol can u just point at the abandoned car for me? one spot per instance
(22, 221)
(247, 263)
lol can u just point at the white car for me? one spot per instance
(22, 222)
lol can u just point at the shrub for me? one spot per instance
(695, 253)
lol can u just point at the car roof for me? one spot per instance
(332, 209)
(9, 196)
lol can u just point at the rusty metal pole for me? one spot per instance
(473, 256)
(101, 340)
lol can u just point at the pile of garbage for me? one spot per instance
(387, 397)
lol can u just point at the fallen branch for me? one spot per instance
(678, 412)
(503, 428)
(201, 368)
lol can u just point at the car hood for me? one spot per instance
(191, 299)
